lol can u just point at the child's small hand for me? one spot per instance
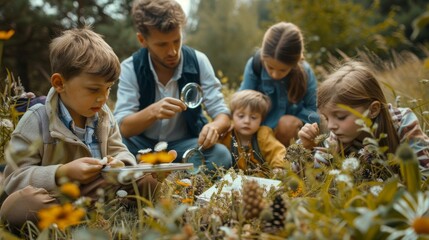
(114, 163)
(307, 134)
(83, 170)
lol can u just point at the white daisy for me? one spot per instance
(350, 164)
(411, 209)
(375, 190)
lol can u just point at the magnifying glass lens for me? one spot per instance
(192, 95)
(193, 156)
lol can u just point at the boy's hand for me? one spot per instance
(114, 163)
(83, 170)
(208, 136)
(307, 134)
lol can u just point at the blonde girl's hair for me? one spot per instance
(163, 15)
(354, 84)
(81, 50)
(284, 42)
(256, 101)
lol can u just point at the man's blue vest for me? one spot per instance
(190, 73)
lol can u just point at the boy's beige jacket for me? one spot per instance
(55, 148)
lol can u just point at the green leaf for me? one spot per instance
(6, 235)
(419, 23)
(388, 192)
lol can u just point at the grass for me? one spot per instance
(342, 201)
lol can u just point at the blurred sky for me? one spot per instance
(185, 5)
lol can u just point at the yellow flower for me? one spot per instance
(295, 187)
(62, 216)
(165, 157)
(5, 35)
(157, 157)
(148, 158)
(70, 190)
(188, 200)
(183, 183)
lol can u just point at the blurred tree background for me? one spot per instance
(228, 31)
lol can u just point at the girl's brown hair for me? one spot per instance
(353, 84)
(284, 42)
(256, 101)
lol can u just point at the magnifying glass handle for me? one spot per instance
(200, 148)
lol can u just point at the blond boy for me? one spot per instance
(251, 144)
(76, 127)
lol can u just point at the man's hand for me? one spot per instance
(307, 134)
(168, 107)
(83, 170)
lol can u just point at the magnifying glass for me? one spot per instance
(192, 95)
(195, 156)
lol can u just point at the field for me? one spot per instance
(340, 201)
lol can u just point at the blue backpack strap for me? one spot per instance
(256, 63)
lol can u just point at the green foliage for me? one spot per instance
(36, 25)
(333, 25)
(419, 24)
(228, 33)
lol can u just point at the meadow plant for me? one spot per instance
(361, 196)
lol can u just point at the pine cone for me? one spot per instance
(252, 199)
(199, 185)
(277, 222)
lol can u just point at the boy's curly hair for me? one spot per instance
(163, 15)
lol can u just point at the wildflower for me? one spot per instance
(5, 35)
(83, 202)
(375, 190)
(295, 187)
(414, 211)
(350, 164)
(62, 216)
(121, 193)
(161, 146)
(344, 178)
(421, 225)
(6, 123)
(188, 200)
(165, 157)
(148, 158)
(334, 172)
(184, 182)
(157, 157)
(70, 189)
(144, 151)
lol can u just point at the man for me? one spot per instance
(148, 109)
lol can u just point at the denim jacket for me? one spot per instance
(305, 109)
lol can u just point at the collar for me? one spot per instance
(66, 118)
